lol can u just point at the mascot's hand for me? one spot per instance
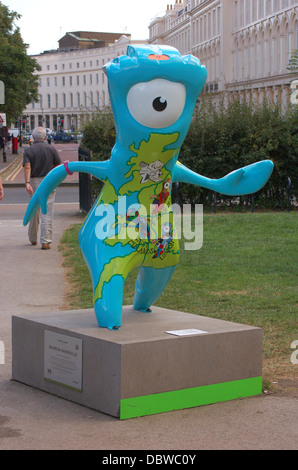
(246, 180)
(46, 187)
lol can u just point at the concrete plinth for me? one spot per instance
(140, 369)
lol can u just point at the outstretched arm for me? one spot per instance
(246, 180)
(56, 176)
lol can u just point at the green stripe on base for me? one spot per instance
(189, 398)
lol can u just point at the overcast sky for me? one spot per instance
(43, 23)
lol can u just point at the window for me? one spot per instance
(55, 81)
(40, 101)
(78, 79)
(48, 82)
(63, 81)
(78, 65)
(64, 100)
(90, 78)
(279, 39)
(71, 100)
(70, 66)
(78, 100)
(270, 53)
(56, 100)
(288, 47)
(49, 101)
(48, 67)
(70, 81)
(84, 79)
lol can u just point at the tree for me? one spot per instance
(16, 67)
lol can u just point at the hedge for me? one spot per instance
(222, 138)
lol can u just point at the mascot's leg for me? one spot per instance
(108, 290)
(108, 308)
(107, 273)
(149, 286)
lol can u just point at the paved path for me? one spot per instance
(32, 281)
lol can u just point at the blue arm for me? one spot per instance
(246, 180)
(55, 177)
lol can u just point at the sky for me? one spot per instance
(43, 22)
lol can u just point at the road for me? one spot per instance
(15, 175)
(16, 197)
(18, 194)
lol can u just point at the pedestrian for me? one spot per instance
(38, 161)
(49, 139)
(1, 190)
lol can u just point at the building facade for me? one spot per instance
(244, 44)
(72, 83)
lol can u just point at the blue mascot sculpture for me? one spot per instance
(153, 92)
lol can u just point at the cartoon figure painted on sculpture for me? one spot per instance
(153, 92)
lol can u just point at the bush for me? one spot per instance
(224, 138)
(99, 134)
(221, 139)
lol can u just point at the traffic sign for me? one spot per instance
(3, 119)
(2, 93)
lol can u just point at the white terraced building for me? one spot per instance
(71, 81)
(245, 44)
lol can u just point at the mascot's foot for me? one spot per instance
(114, 327)
(144, 310)
(107, 319)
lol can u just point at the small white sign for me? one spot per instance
(2, 353)
(3, 119)
(2, 93)
(187, 332)
(63, 359)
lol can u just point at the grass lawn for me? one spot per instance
(245, 272)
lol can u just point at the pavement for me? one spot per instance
(32, 282)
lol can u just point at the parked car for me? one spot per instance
(61, 137)
(26, 136)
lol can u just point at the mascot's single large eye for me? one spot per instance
(156, 104)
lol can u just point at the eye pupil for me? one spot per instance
(159, 104)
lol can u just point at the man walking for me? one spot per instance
(38, 161)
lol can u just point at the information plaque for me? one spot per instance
(63, 359)
(187, 332)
